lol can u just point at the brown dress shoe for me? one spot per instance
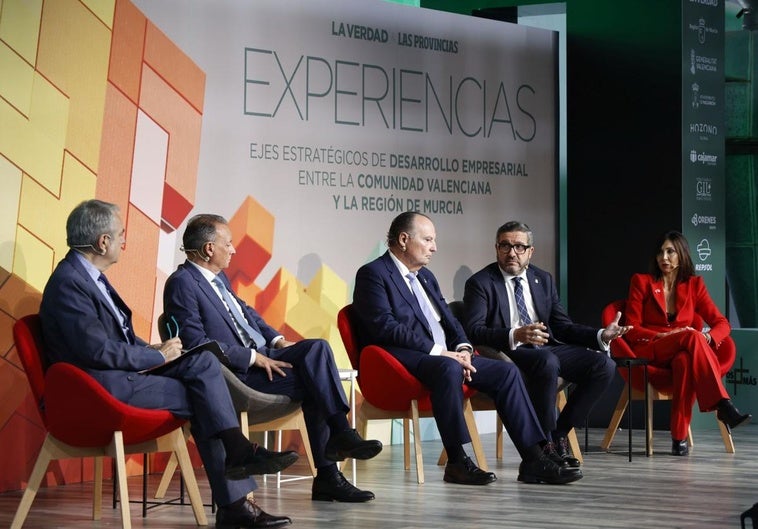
(246, 514)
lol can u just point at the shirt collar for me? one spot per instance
(400, 266)
(91, 269)
(207, 274)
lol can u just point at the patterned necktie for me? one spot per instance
(254, 336)
(108, 290)
(518, 290)
(437, 332)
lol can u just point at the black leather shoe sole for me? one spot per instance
(271, 464)
(480, 477)
(357, 497)
(364, 450)
(553, 479)
(271, 521)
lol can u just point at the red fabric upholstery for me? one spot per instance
(74, 407)
(384, 382)
(659, 377)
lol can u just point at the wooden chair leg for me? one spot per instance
(417, 442)
(499, 438)
(726, 436)
(168, 474)
(38, 472)
(97, 494)
(476, 442)
(573, 441)
(442, 460)
(618, 414)
(179, 445)
(117, 448)
(407, 443)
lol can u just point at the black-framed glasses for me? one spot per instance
(506, 247)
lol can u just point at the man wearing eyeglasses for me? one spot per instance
(513, 307)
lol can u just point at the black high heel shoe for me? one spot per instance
(731, 416)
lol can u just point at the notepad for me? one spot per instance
(211, 346)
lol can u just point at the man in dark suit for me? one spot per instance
(398, 305)
(199, 296)
(86, 323)
(514, 307)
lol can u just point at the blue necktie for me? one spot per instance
(107, 289)
(518, 290)
(437, 332)
(254, 336)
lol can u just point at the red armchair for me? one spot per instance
(390, 392)
(660, 382)
(82, 420)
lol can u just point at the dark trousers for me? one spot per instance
(314, 380)
(502, 381)
(589, 370)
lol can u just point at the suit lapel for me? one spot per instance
(210, 293)
(538, 296)
(399, 281)
(503, 306)
(98, 295)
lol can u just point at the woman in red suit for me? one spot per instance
(663, 308)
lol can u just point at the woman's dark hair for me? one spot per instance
(686, 268)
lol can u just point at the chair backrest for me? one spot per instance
(27, 334)
(162, 329)
(345, 326)
(456, 307)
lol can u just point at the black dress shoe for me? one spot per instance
(336, 488)
(467, 473)
(258, 460)
(729, 415)
(543, 470)
(552, 455)
(247, 514)
(562, 449)
(349, 444)
(679, 448)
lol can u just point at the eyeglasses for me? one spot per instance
(173, 330)
(506, 247)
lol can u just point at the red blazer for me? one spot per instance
(646, 309)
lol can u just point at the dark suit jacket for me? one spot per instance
(487, 313)
(387, 314)
(646, 309)
(190, 299)
(80, 327)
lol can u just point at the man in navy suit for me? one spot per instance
(514, 307)
(199, 296)
(398, 305)
(86, 323)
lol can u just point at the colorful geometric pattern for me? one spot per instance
(95, 101)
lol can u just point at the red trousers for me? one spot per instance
(696, 375)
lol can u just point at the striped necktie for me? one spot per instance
(253, 335)
(518, 290)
